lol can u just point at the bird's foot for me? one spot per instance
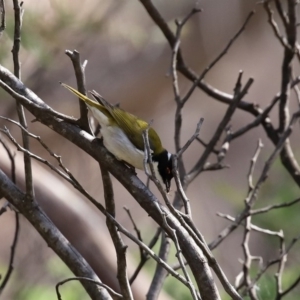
(130, 167)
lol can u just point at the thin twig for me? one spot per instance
(274, 206)
(18, 8)
(253, 227)
(12, 254)
(148, 162)
(109, 289)
(136, 229)
(17, 226)
(274, 25)
(205, 145)
(145, 256)
(247, 229)
(2, 12)
(79, 69)
(289, 289)
(180, 190)
(193, 137)
(257, 121)
(44, 161)
(281, 265)
(218, 58)
(175, 84)
(120, 247)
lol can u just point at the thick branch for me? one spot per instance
(61, 246)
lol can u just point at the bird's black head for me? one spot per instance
(164, 161)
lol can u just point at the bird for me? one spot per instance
(122, 134)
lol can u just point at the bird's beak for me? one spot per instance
(168, 185)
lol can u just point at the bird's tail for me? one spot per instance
(82, 97)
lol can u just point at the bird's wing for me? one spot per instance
(100, 99)
(134, 127)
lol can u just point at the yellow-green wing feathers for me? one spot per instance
(134, 127)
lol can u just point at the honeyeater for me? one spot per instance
(122, 135)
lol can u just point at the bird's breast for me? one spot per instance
(116, 142)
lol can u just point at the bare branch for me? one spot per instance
(2, 12)
(252, 165)
(179, 102)
(110, 290)
(175, 49)
(180, 190)
(205, 145)
(80, 78)
(12, 254)
(18, 8)
(136, 229)
(17, 226)
(274, 25)
(289, 289)
(20, 110)
(257, 121)
(44, 161)
(116, 237)
(144, 255)
(218, 58)
(274, 206)
(193, 137)
(247, 230)
(281, 265)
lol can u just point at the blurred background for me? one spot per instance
(129, 63)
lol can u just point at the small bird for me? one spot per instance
(122, 135)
